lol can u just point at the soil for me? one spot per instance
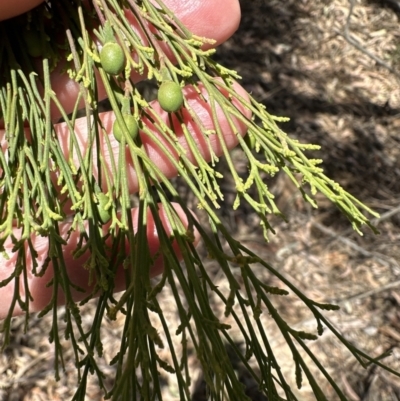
(337, 77)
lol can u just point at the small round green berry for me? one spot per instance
(170, 96)
(112, 58)
(104, 214)
(131, 124)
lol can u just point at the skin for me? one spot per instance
(217, 19)
(10, 9)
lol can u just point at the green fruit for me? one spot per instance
(112, 58)
(131, 125)
(170, 96)
(104, 214)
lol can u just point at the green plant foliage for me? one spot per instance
(38, 179)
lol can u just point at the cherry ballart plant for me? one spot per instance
(66, 188)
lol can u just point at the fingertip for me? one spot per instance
(213, 19)
(9, 9)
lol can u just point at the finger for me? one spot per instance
(13, 8)
(159, 154)
(77, 273)
(214, 19)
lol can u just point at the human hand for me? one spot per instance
(216, 19)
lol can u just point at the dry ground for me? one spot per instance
(295, 58)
